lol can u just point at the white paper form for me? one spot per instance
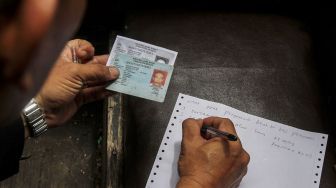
(281, 156)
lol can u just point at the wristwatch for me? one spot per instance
(34, 119)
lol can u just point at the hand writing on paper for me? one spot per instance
(210, 163)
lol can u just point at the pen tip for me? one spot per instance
(233, 137)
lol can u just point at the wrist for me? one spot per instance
(39, 101)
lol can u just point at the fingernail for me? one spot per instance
(114, 72)
(83, 53)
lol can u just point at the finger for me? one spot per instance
(222, 124)
(217, 145)
(93, 73)
(241, 165)
(244, 172)
(191, 130)
(92, 94)
(99, 59)
(84, 49)
(245, 158)
(237, 182)
(95, 83)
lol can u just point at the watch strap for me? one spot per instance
(34, 118)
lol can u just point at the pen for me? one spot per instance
(213, 132)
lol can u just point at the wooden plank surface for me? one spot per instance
(113, 146)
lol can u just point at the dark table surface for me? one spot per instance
(259, 64)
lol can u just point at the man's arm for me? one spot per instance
(69, 85)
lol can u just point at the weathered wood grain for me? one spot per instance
(113, 146)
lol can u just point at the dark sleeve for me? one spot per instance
(11, 146)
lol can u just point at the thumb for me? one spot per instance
(96, 73)
(192, 131)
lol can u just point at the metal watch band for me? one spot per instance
(35, 118)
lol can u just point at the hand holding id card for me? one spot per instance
(145, 69)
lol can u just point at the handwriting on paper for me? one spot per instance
(284, 139)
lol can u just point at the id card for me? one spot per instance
(145, 69)
(135, 48)
(141, 77)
